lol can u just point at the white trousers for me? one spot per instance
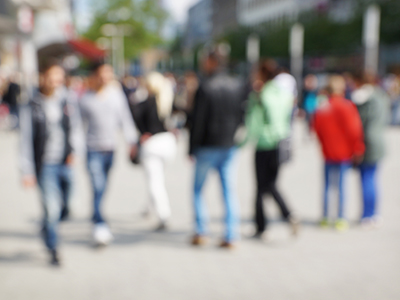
(155, 152)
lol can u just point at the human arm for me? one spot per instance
(77, 135)
(350, 121)
(27, 162)
(126, 120)
(199, 120)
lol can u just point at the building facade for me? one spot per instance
(274, 12)
(224, 16)
(199, 25)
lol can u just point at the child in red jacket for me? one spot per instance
(339, 130)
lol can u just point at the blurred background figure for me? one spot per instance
(11, 98)
(76, 85)
(373, 106)
(151, 106)
(48, 126)
(391, 84)
(104, 110)
(192, 84)
(183, 105)
(339, 130)
(268, 122)
(129, 86)
(286, 82)
(217, 114)
(309, 102)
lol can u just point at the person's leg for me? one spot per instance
(368, 182)
(154, 168)
(203, 164)
(49, 183)
(227, 173)
(328, 168)
(66, 188)
(273, 171)
(260, 166)
(343, 168)
(98, 166)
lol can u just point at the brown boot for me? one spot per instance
(198, 240)
(227, 245)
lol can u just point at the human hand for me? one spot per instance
(133, 152)
(28, 181)
(70, 160)
(357, 159)
(145, 136)
(301, 113)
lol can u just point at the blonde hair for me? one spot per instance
(337, 85)
(163, 90)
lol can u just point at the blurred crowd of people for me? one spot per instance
(71, 116)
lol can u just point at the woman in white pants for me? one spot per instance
(151, 107)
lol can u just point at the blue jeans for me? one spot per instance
(55, 182)
(369, 189)
(335, 174)
(223, 160)
(99, 165)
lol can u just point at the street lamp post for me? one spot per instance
(117, 32)
(296, 49)
(372, 20)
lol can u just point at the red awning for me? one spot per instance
(87, 48)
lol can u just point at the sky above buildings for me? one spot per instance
(177, 8)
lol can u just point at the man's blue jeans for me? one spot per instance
(369, 189)
(223, 160)
(55, 182)
(99, 165)
(335, 174)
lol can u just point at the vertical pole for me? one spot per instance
(121, 70)
(372, 20)
(253, 49)
(114, 46)
(296, 49)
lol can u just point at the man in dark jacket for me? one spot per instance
(217, 115)
(49, 126)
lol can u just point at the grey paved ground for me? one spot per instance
(141, 264)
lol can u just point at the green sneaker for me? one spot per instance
(341, 225)
(324, 223)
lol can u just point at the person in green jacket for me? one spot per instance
(268, 122)
(373, 106)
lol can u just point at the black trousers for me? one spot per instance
(267, 168)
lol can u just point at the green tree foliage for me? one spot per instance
(390, 27)
(144, 19)
(326, 36)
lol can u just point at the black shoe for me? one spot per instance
(64, 214)
(54, 258)
(162, 227)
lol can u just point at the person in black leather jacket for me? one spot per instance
(216, 116)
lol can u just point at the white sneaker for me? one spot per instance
(102, 235)
(371, 223)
